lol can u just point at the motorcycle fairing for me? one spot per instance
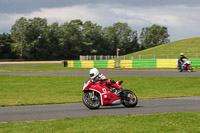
(186, 67)
(107, 97)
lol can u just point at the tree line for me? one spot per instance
(31, 39)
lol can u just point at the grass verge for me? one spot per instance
(40, 68)
(60, 68)
(27, 90)
(172, 122)
(190, 47)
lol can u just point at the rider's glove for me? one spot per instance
(93, 81)
(121, 89)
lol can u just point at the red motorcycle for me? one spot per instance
(186, 66)
(100, 94)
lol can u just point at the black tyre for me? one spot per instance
(131, 99)
(190, 69)
(180, 70)
(91, 101)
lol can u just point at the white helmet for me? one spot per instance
(93, 72)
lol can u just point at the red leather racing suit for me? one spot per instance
(102, 79)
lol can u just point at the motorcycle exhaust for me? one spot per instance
(116, 102)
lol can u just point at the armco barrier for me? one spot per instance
(101, 64)
(87, 64)
(145, 63)
(166, 63)
(92, 64)
(111, 63)
(195, 62)
(70, 63)
(126, 63)
(77, 64)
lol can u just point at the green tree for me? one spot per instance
(18, 32)
(5, 46)
(50, 41)
(35, 39)
(26, 34)
(92, 39)
(153, 36)
(38, 48)
(70, 39)
(120, 36)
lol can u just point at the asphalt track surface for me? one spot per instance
(60, 111)
(75, 110)
(135, 73)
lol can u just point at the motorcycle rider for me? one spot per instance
(180, 59)
(96, 76)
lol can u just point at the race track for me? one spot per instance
(135, 73)
(60, 111)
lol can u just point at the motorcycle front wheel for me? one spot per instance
(131, 99)
(91, 101)
(179, 69)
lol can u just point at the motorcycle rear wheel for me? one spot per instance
(131, 100)
(91, 102)
(190, 69)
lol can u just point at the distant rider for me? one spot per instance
(180, 59)
(97, 77)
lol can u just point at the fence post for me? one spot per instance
(131, 57)
(117, 62)
(197, 55)
(139, 57)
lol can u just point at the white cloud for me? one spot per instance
(60, 15)
(7, 20)
(66, 14)
(149, 16)
(178, 19)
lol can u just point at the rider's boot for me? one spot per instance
(121, 93)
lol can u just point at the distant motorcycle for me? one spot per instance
(186, 66)
(96, 95)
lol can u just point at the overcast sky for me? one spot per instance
(182, 17)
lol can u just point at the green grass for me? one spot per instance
(60, 68)
(189, 46)
(27, 90)
(162, 123)
(41, 68)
